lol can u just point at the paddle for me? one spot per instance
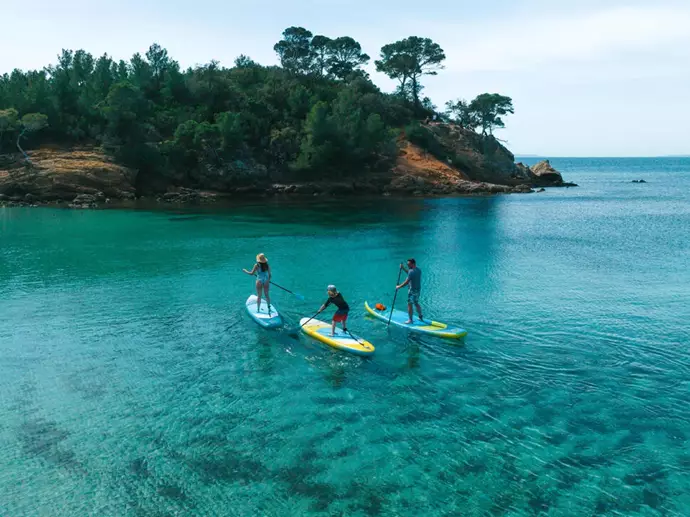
(354, 337)
(314, 316)
(296, 295)
(395, 296)
(294, 332)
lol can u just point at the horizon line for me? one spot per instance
(552, 156)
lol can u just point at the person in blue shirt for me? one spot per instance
(414, 280)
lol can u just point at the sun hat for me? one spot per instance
(261, 258)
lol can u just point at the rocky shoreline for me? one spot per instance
(88, 178)
(187, 196)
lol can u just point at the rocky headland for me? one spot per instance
(460, 162)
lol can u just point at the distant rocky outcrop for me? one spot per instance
(544, 173)
(484, 159)
(418, 172)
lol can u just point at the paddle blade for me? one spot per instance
(299, 297)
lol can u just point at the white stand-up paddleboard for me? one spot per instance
(267, 319)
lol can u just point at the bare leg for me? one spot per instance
(258, 296)
(268, 298)
(333, 328)
(419, 311)
(409, 311)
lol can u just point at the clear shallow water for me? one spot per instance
(132, 382)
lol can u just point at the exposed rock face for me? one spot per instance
(480, 158)
(418, 173)
(545, 174)
(65, 175)
(485, 159)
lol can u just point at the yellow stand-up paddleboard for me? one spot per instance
(342, 341)
(430, 328)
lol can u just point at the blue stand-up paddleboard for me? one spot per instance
(263, 318)
(431, 328)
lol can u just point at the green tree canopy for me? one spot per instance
(320, 47)
(243, 61)
(345, 56)
(461, 113)
(408, 60)
(8, 122)
(489, 108)
(319, 114)
(30, 123)
(295, 51)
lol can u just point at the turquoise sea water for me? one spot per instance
(133, 383)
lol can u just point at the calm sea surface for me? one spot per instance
(132, 382)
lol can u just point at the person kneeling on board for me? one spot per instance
(340, 316)
(414, 280)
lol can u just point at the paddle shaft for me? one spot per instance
(314, 316)
(353, 337)
(395, 296)
(286, 290)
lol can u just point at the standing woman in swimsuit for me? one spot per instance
(263, 280)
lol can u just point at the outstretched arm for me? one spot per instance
(407, 281)
(325, 304)
(402, 266)
(252, 271)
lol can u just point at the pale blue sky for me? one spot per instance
(588, 78)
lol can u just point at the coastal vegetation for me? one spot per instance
(316, 116)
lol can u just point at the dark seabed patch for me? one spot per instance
(43, 439)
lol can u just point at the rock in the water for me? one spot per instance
(545, 174)
(83, 199)
(541, 190)
(639, 181)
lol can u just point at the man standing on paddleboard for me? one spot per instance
(414, 280)
(335, 298)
